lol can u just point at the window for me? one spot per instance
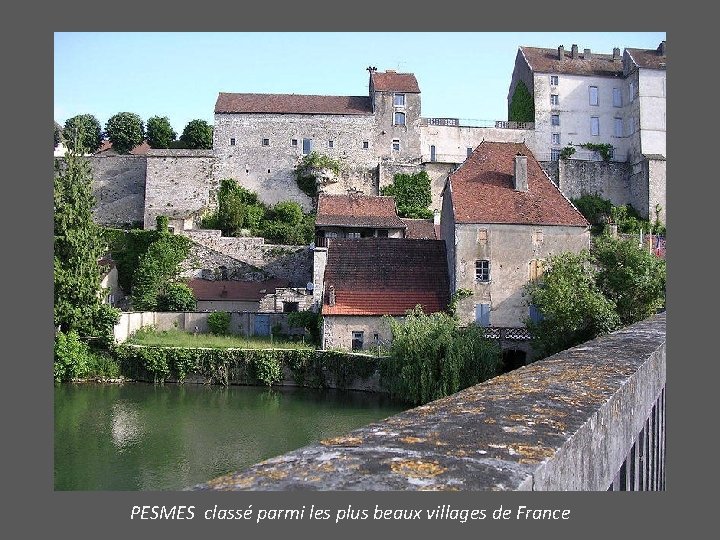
(630, 125)
(555, 119)
(554, 154)
(353, 235)
(382, 233)
(330, 234)
(289, 307)
(617, 97)
(432, 152)
(594, 95)
(595, 125)
(396, 145)
(482, 236)
(534, 313)
(266, 142)
(482, 271)
(556, 138)
(618, 127)
(554, 80)
(357, 341)
(536, 269)
(399, 118)
(307, 146)
(232, 141)
(366, 145)
(469, 151)
(482, 314)
(554, 99)
(631, 92)
(399, 100)
(331, 144)
(293, 142)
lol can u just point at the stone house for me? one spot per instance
(356, 216)
(359, 282)
(258, 139)
(589, 97)
(501, 217)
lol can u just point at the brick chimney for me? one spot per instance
(587, 55)
(561, 53)
(616, 54)
(520, 179)
(574, 52)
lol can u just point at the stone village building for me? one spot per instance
(358, 282)
(501, 217)
(259, 139)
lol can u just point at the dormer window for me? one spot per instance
(399, 100)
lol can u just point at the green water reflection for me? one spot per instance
(144, 437)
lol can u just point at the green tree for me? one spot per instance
(630, 276)
(522, 105)
(78, 245)
(309, 321)
(82, 133)
(219, 323)
(176, 297)
(159, 132)
(198, 134)
(158, 268)
(432, 357)
(125, 131)
(57, 134)
(238, 208)
(412, 194)
(288, 212)
(573, 309)
(71, 356)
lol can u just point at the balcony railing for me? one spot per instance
(591, 418)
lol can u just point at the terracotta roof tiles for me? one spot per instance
(386, 276)
(292, 104)
(648, 58)
(420, 229)
(482, 190)
(391, 81)
(543, 60)
(249, 291)
(357, 211)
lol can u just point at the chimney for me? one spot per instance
(561, 53)
(662, 49)
(436, 217)
(587, 55)
(574, 50)
(520, 180)
(320, 256)
(616, 54)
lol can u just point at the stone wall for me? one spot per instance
(338, 330)
(119, 189)
(247, 258)
(610, 180)
(179, 184)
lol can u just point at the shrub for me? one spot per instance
(71, 356)
(432, 357)
(219, 323)
(177, 297)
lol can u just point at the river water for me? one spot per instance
(141, 437)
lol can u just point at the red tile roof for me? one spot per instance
(420, 229)
(248, 291)
(482, 190)
(357, 211)
(648, 58)
(386, 276)
(391, 81)
(547, 61)
(292, 104)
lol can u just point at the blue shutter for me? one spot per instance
(534, 313)
(307, 146)
(482, 314)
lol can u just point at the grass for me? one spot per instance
(177, 338)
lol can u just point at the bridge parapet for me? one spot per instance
(586, 419)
